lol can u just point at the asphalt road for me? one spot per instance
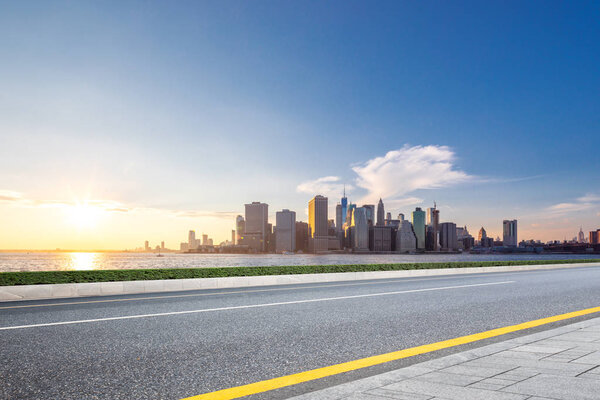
(197, 342)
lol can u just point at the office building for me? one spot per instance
(147, 245)
(338, 217)
(351, 208)
(380, 213)
(285, 231)
(370, 213)
(192, 240)
(406, 241)
(580, 236)
(418, 222)
(301, 236)
(448, 239)
(344, 204)
(256, 225)
(380, 238)
(509, 229)
(433, 228)
(317, 224)
(463, 236)
(482, 235)
(204, 240)
(240, 228)
(594, 237)
(360, 229)
(233, 236)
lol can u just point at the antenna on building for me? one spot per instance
(344, 190)
(434, 204)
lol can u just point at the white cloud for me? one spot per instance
(395, 175)
(583, 203)
(406, 170)
(589, 198)
(329, 186)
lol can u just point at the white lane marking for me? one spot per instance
(83, 321)
(316, 285)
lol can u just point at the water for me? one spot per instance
(89, 261)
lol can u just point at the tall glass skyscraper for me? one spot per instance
(418, 221)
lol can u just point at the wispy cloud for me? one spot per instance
(17, 199)
(583, 203)
(9, 196)
(330, 186)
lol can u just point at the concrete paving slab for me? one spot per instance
(451, 392)
(557, 387)
(592, 358)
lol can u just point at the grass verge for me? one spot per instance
(51, 277)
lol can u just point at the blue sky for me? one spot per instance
(191, 109)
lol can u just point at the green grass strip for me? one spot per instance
(51, 277)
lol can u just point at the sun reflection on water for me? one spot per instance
(83, 261)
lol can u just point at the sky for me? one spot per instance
(127, 121)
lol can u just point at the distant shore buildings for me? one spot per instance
(365, 229)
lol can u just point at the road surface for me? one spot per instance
(175, 345)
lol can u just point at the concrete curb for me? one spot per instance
(67, 290)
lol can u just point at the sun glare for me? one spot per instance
(83, 261)
(83, 215)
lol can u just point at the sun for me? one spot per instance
(83, 215)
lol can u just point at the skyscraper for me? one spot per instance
(257, 219)
(433, 222)
(380, 213)
(338, 217)
(580, 236)
(317, 223)
(594, 237)
(418, 221)
(448, 239)
(406, 240)
(301, 236)
(344, 204)
(285, 231)
(192, 240)
(351, 208)
(509, 233)
(240, 227)
(360, 229)
(482, 235)
(370, 212)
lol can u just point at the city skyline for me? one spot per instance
(136, 121)
(360, 231)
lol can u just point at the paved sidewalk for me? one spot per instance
(561, 363)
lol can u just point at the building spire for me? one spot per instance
(344, 190)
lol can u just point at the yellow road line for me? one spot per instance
(276, 383)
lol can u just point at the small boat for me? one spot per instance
(287, 253)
